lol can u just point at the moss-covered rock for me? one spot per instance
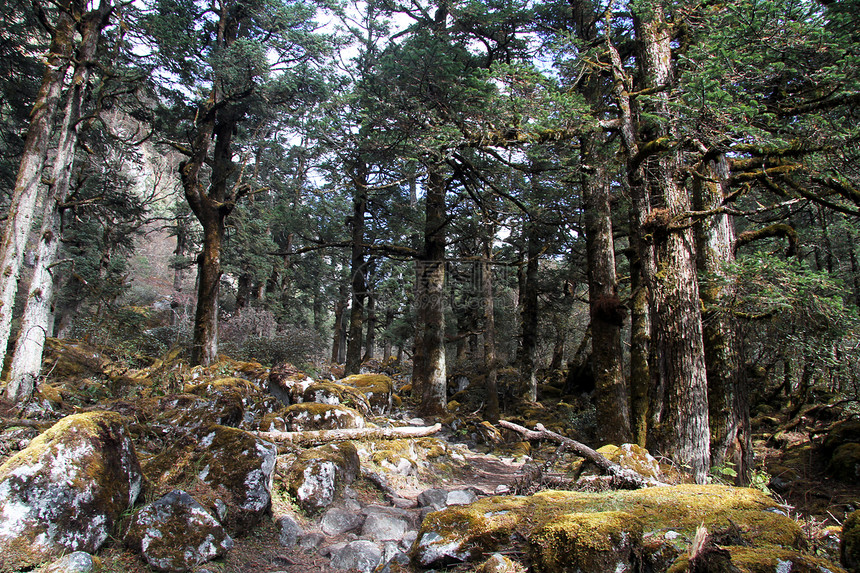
(377, 388)
(849, 547)
(228, 470)
(845, 463)
(668, 517)
(66, 490)
(286, 382)
(599, 541)
(841, 433)
(777, 560)
(317, 473)
(498, 563)
(314, 416)
(175, 533)
(636, 458)
(335, 394)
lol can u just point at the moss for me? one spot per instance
(676, 510)
(841, 433)
(333, 393)
(379, 383)
(845, 463)
(314, 416)
(230, 384)
(776, 560)
(849, 547)
(599, 541)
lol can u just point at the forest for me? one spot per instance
(654, 201)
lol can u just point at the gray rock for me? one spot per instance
(289, 531)
(403, 503)
(330, 550)
(175, 533)
(362, 555)
(408, 539)
(337, 521)
(435, 498)
(381, 527)
(66, 491)
(317, 472)
(77, 562)
(461, 497)
(311, 540)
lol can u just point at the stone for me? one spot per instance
(315, 416)
(460, 497)
(335, 394)
(498, 563)
(382, 527)
(175, 533)
(361, 555)
(287, 383)
(849, 547)
(311, 540)
(67, 490)
(230, 470)
(289, 531)
(336, 521)
(548, 525)
(377, 388)
(845, 463)
(317, 472)
(77, 562)
(436, 498)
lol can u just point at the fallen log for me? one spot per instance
(625, 476)
(26, 422)
(324, 436)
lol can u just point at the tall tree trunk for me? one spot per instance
(640, 345)
(430, 376)
(606, 309)
(357, 268)
(491, 411)
(19, 219)
(683, 429)
(371, 328)
(339, 336)
(715, 236)
(529, 313)
(35, 322)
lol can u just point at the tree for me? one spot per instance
(230, 60)
(22, 205)
(27, 356)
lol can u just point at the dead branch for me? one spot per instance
(323, 436)
(626, 476)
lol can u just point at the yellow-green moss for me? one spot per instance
(596, 541)
(771, 559)
(228, 384)
(379, 383)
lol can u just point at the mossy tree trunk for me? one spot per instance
(357, 271)
(529, 313)
(682, 427)
(19, 218)
(429, 373)
(728, 407)
(491, 410)
(35, 322)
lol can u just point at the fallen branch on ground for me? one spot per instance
(626, 476)
(12, 422)
(324, 436)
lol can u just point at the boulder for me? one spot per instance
(77, 562)
(382, 527)
(229, 470)
(498, 563)
(314, 416)
(336, 394)
(317, 473)
(361, 555)
(287, 383)
(66, 490)
(175, 533)
(336, 521)
(845, 463)
(377, 388)
(603, 532)
(849, 548)
(289, 531)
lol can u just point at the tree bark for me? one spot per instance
(682, 429)
(606, 309)
(429, 375)
(357, 269)
(36, 320)
(491, 411)
(19, 219)
(728, 409)
(370, 339)
(529, 313)
(338, 337)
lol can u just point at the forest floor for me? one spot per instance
(789, 465)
